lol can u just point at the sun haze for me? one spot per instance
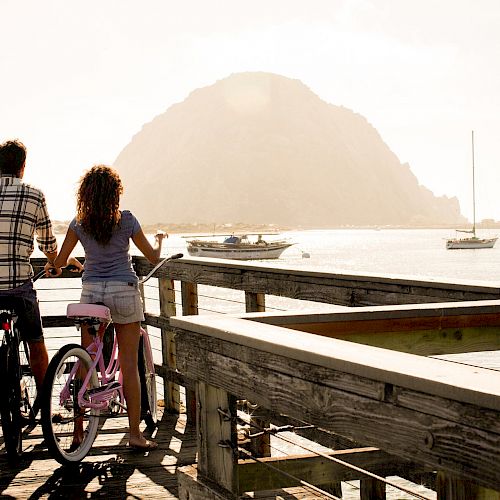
(80, 80)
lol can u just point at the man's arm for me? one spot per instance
(46, 240)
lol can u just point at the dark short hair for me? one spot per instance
(12, 157)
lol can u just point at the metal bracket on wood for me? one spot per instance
(226, 416)
(276, 430)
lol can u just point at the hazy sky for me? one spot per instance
(79, 79)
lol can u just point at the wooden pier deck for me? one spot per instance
(111, 470)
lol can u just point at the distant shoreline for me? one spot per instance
(60, 227)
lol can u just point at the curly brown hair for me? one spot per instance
(98, 201)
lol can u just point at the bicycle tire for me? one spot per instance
(59, 417)
(29, 403)
(10, 401)
(147, 379)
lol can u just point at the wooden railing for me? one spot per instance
(426, 411)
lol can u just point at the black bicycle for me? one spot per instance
(18, 395)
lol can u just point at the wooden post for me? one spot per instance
(371, 489)
(167, 308)
(255, 302)
(216, 436)
(261, 445)
(189, 293)
(451, 487)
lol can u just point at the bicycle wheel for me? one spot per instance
(29, 403)
(69, 430)
(148, 382)
(10, 400)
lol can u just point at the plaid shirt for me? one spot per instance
(22, 213)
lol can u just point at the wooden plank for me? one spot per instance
(166, 293)
(380, 421)
(466, 384)
(372, 489)
(451, 487)
(341, 289)
(216, 433)
(421, 342)
(424, 329)
(395, 317)
(193, 486)
(416, 400)
(260, 445)
(189, 294)
(255, 302)
(317, 470)
(111, 470)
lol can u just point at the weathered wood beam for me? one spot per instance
(317, 470)
(418, 408)
(216, 433)
(255, 302)
(452, 487)
(429, 329)
(57, 321)
(332, 288)
(168, 308)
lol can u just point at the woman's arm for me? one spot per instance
(69, 243)
(152, 253)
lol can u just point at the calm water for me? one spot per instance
(408, 252)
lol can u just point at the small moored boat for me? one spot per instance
(472, 242)
(238, 247)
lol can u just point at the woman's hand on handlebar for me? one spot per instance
(74, 265)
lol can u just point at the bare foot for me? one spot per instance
(144, 445)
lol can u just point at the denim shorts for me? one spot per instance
(24, 301)
(123, 299)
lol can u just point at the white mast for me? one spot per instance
(473, 191)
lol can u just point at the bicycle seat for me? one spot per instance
(89, 311)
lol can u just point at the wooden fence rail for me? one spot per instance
(425, 410)
(327, 368)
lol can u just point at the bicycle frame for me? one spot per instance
(99, 398)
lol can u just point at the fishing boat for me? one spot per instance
(472, 242)
(238, 247)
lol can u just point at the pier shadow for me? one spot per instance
(112, 471)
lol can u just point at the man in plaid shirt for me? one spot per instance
(23, 213)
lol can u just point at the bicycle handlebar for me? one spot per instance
(166, 259)
(143, 280)
(41, 273)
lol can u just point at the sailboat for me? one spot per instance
(471, 241)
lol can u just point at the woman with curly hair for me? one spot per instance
(105, 232)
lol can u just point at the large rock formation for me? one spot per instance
(261, 148)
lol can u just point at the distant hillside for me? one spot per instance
(258, 148)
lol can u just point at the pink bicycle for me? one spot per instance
(80, 386)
